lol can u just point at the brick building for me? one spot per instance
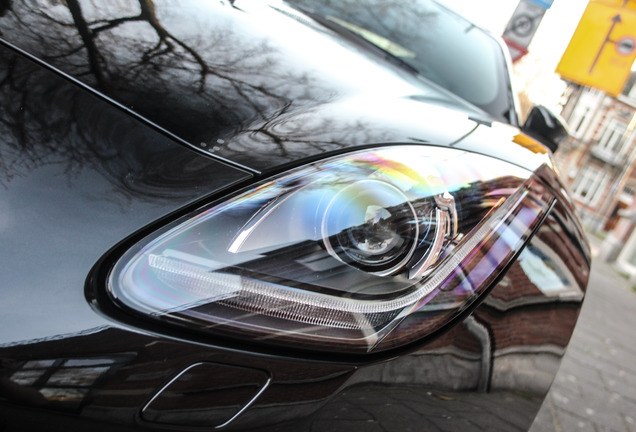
(598, 162)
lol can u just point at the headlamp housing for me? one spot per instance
(358, 253)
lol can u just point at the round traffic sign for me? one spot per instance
(523, 25)
(626, 45)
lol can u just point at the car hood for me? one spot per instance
(257, 84)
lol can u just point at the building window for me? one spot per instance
(584, 113)
(589, 185)
(579, 119)
(65, 383)
(612, 138)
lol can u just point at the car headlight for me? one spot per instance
(357, 253)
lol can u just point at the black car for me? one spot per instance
(283, 215)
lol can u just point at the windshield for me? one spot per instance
(436, 43)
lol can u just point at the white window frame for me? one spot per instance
(590, 185)
(580, 120)
(612, 142)
(584, 113)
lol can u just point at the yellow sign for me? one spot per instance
(603, 47)
(619, 4)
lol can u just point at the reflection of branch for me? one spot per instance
(115, 22)
(150, 63)
(265, 129)
(230, 81)
(47, 121)
(50, 18)
(95, 60)
(149, 13)
(66, 54)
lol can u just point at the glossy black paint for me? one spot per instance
(78, 176)
(269, 103)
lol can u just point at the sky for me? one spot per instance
(534, 73)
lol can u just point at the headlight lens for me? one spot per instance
(358, 253)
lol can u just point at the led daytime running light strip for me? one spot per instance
(223, 286)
